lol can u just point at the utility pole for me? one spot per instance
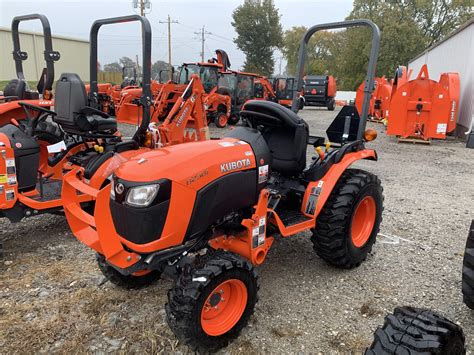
(143, 5)
(169, 22)
(203, 34)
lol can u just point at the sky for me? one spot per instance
(73, 18)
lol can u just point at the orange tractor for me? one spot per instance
(17, 89)
(422, 108)
(379, 101)
(205, 213)
(284, 88)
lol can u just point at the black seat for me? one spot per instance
(73, 113)
(16, 88)
(284, 131)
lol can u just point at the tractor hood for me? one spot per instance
(191, 164)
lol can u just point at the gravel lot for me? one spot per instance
(53, 298)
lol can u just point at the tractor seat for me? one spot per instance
(285, 133)
(18, 88)
(73, 113)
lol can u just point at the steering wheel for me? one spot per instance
(43, 113)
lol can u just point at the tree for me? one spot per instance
(127, 62)
(322, 51)
(259, 33)
(113, 67)
(160, 66)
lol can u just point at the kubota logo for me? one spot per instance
(235, 165)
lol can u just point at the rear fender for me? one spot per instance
(318, 192)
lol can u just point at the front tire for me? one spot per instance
(417, 331)
(211, 303)
(126, 281)
(468, 270)
(221, 120)
(349, 222)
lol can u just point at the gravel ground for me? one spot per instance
(53, 298)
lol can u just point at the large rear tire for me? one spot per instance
(417, 331)
(126, 281)
(468, 270)
(210, 304)
(349, 222)
(331, 105)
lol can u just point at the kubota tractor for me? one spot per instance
(320, 90)
(206, 213)
(17, 89)
(284, 88)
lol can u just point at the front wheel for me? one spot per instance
(221, 120)
(468, 270)
(349, 222)
(417, 331)
(134, 281)
(211, 303)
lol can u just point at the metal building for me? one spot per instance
(455, 53)
(74, 55)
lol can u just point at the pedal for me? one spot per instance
(273, 199)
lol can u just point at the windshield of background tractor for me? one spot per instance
(227, 81)
(244, 89)
(208, 75)
(284, 88)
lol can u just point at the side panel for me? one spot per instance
(229, 193)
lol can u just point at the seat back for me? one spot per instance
(15, 87)
(70, 99)
(284, 131)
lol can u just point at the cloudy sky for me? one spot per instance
(73, 18)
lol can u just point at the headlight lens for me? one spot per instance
(142, 196)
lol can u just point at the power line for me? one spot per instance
(203, 34)
(169, 22)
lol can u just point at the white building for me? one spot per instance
(455, 53)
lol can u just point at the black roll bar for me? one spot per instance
(50, 56)
(369, 81)
(146, 98)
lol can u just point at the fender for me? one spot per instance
(325, 185)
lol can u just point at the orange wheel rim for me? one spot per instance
(363, 221)
(222, 120)
(224, 307)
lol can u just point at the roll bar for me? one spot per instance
(369, 81)
(50, 56)
(145, 98)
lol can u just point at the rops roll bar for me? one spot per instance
(50, 56)
(146, 98)
(369, 81)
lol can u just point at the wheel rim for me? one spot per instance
(224, 307)
(222, 120)
(363, 221)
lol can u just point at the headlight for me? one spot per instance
(142, 196)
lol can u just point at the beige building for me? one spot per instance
(74, 55)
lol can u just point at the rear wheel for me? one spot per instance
(331, 105)
(138, 280)
(350, 220)
(233, 119)
(468, 270)
(221, 120)
(417, 331)
(211, 303)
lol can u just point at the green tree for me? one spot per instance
(160, 66)
(259, 33)
(113, 67)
